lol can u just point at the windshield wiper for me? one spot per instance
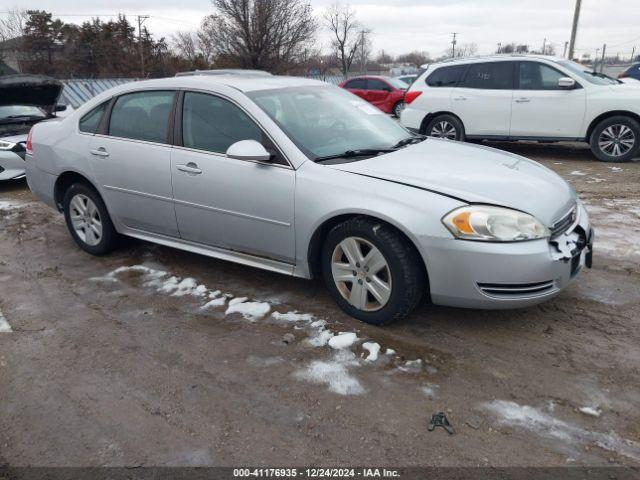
(408, 141)
(364, 152)
(16, 117)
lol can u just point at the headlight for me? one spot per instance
(4, 145)
(493, 224)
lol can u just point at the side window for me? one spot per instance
(489, 76)
(213, 124)
(356, 84)
(538, 76)
(378, 85)
(90, 121)
(142, 116)
(446, 76)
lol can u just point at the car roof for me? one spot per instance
(494, 58)
(378, 77)
(244, 83)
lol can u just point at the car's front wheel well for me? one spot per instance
(604, 116)
(319, 236)
(431, 116)
(64, 182)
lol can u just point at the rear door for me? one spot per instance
(357, 86)
(131, 159)
(543, 109)
(441, 83)
(483, 98)
(378, 93)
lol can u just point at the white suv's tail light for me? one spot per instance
(411, 96)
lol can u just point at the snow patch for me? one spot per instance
(545, 425)
(249, 310)
(411, 366)
(577, 172)
(320, 337)
(429, 391)
(13, 204)
(334, 373)
(237, 300)
(591, 411)
(216, 302)
(343, 340)
(373, 348)
(4, 324)
(292, 317)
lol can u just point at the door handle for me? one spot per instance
(460, 98)
(523, 100)
(99, 152)
(190, 167)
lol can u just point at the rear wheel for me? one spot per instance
(88, 220)
(397, 109)
(616, 139)
(445, 126)
(372, 272)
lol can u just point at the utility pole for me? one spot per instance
(564, 54)
(499, 47)
(574, 29)
(453, 44)
(141, 19)
(595, 61)
(544, 46)
(633, 53)
(604, 50)
(363, 61)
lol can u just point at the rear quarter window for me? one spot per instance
(90, 121)
(446, 76)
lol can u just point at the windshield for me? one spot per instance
(326, 121)
(588, 75)
(11, 111)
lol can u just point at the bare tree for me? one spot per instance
(262, 34)
(186, 44)
(416, 58)
(12, 24)
(341, 21)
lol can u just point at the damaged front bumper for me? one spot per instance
(507, 275)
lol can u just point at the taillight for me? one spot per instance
(29, 146)
(622, 75)
(411, 96)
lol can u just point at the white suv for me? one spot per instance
(524, 97)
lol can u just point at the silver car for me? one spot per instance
(302, 178)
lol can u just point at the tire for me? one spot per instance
(445, 121)
(403, 272)
(623, 137)
(397, 109)
(95, 212)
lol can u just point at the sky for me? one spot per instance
(400, 26)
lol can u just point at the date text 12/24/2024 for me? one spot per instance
(315, 472)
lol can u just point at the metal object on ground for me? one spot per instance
(440, 420)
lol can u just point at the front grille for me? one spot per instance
(512, 290)
(562, 225)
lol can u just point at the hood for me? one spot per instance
(34, 90)
(473, 174)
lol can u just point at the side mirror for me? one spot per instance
(566, 82)
(60, 108)
(248, 150)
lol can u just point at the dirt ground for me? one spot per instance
(109, 369)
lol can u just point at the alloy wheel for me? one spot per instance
(361, 274)
(616, 140)
(397, 110)
(444, 129)
(85, 219)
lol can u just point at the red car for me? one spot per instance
(386, 93)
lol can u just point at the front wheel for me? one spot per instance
(616, 139)
(88, 220)
(447, 127)
(373, 273)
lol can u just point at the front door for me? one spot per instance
(483, 98)
(377, 92)
(543, 109)
(238, 205)
(132, 162)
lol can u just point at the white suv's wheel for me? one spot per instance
(445, 126)
(616, 139)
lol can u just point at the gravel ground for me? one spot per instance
(128, 369)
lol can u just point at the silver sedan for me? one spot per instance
(302, 178)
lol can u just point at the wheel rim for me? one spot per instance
(361, 274)
(616, 140)
(398, 109)
(444, 129)
(85, 219)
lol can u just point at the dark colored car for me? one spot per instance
(632, 72)
(386, 93)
